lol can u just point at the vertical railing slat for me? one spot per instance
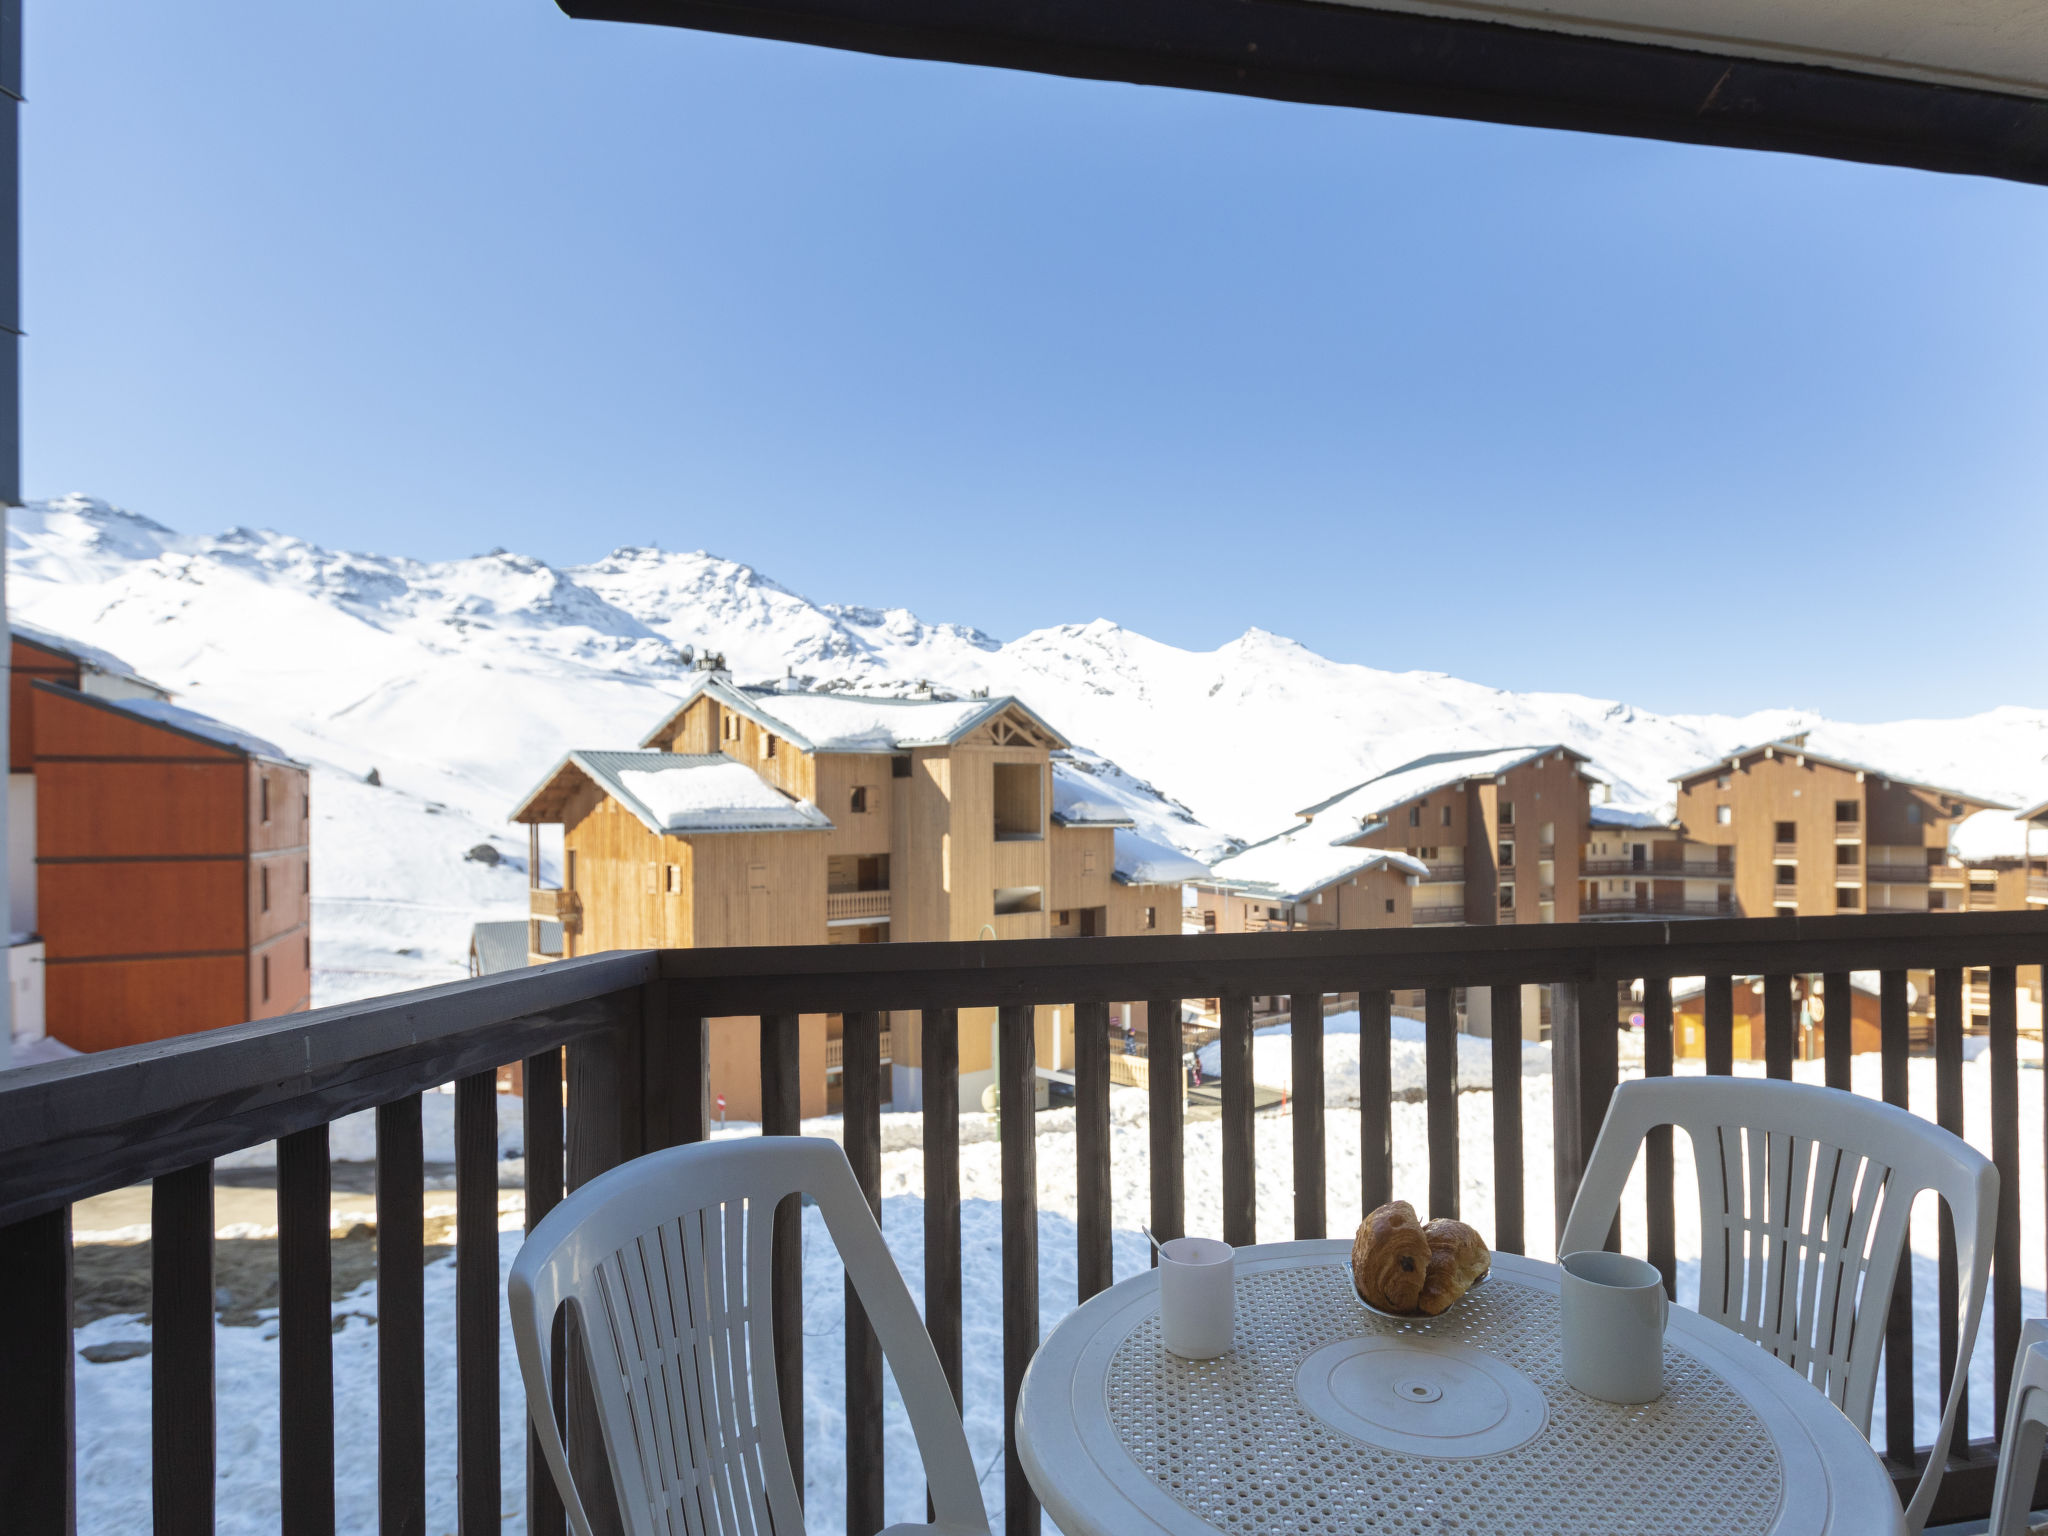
(541, 1115)
(1375, 1099)
(1305, 1025)
(1240, 1150)
(305, 1309)
(1718, 1019)
(860, 1048)
(1659, 1179)
(939, 1058)
(782, 1114)
(1440, 1051)
(1166, 1094)
(1838, 1024)
(401, 1321)
(1510, 1225)
(601, 1130)
(1094, 1266)
(1017, 1080)
(1893, 1043)
(181, 1353)
(1585, 1067)
(2005, 1153)
(676, 1072)
(38, 1486)
(1778, 1026)
(479, 1484)
(1948, 1114)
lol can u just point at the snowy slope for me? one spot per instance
(462, 681)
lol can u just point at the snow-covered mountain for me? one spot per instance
(462, 681)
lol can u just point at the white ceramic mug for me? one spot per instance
(1197, 1293)
(1614, 1315)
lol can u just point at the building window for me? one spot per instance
(1788, 832)
(263, 881)
(1208, 920)
(1846, 855)
(1787, 874)
(1447, 815)
(1507, 813)
(858, 801)
(1722, 781)
(1062, 919)
(1507, 898)
(675, 879)
(1390, 904)
(1846, 897)
(1937, 901)
(306, 878)
(1414, 815)
(266, 978)
(1151, 918)
(899, 767)
(768, 744)
(1723, 815)
(1012, 899)
(308, 943)
(1507, 855)
(263, 792)
(1848, 810)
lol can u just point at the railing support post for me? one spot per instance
(1584, 1068)
(1240, 1147)
(861, 1100)
(1017, 1080)
(782, 1115)
(37, 1447)
(1166, 1090)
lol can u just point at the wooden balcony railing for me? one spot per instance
(835, 1052)
(630, 1032)
(563, 906)
(1443, 874)
(842, 905)
(1437, 916)
(1656, 869)
(1897, 874)
(1653, 906)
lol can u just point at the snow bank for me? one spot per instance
(1273, 1059)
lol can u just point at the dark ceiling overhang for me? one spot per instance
(1895, 107)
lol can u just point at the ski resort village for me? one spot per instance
(1499, 986)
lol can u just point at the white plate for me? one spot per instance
(1419, 1317)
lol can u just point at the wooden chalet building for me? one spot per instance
(755, 815)
(1490, 836)
(157, 856)
(1813, 834)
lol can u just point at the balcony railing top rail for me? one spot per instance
(1689, 869)
(634, 1025)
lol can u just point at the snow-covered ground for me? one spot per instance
(113, 1397)
(462, 681)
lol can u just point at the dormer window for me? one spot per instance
(857, 802)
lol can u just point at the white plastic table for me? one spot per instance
(1324, 1418)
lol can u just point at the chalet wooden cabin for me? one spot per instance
(754, 816)
(1812, 834)
(160, 857)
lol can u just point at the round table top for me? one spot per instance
(1326, 1418)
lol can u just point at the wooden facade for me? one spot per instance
(172, 874)
(948, 839)
(1811, 834)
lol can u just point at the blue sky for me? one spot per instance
(1698, 429)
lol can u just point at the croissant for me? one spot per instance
(1390, 1258)
(1458, 1260)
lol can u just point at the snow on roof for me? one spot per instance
(91, 655)
(1990, 835)
(1396, 787)
(1141, 860)
(674, 792)
(1082, 797)
(1616, 816)
(1301, 861)
(1790, 747)
(193, 723)
(850, 722)
(2034, 812)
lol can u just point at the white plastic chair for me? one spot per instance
(2019, 1457)
(1804, 1198)
(665, 1261)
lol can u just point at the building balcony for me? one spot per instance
(1656, 869)
(1848, 831)
(564, 907)
(1654, 906)
(581, 1031)
(1436, 914)
(1784, 850)
(856, 906)
(1947, 874)
(1443, 874)
(2037, 888)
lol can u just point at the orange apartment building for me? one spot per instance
(1809, 833)
(767, 816)
(158, 860)
(1484, 837)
